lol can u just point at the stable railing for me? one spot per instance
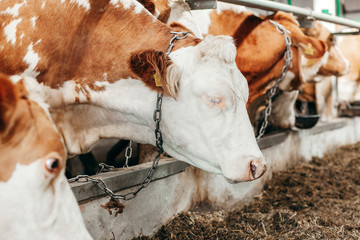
(298, 11)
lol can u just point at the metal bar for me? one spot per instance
(125, 178)
(324, 127)
(338, 8)
(273, 139)
(303, 12)
(346, 33)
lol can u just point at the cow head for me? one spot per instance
(204, 119)
(38, 203)
(312, 52)
(337, 64)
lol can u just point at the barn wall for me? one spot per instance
(164, 198)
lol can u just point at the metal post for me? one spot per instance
(302, 12)
(338, 8)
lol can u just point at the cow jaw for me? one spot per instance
(39, 205)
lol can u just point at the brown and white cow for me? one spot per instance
(95, 63)
(260, 50)
(319, 93)
(349, 84)
(337, 64)
(36, 200)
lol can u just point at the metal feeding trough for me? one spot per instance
(305, 114)
(305, 120)
(349, 109)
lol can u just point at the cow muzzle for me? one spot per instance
(257, 169)
(254, 170)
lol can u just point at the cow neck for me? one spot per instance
(245, 28)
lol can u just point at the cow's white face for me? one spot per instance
(39, 204)
(207, 125)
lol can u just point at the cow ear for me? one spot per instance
(313, 48)
(8, 100)
(157, 71)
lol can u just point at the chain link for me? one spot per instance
(288, 56)
(128, 154)
(105, 168)
(175, 38)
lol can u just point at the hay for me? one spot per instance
(315, 200)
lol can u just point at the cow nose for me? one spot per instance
(257, 169)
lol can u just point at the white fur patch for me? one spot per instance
(105, 76)
(309, 71)
(50, 204)
(285, 83)
(32, 59)
(221, 6)
(35, 91)
(138, 8)
(343, 58)
(180, 12)
(14, 11)
(82, 3)
(202, 19)
(10, 30)
(33, 21)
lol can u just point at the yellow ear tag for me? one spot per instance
(310, 62)
(309, 50)
(157, 80)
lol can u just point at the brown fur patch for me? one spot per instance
(81, 45)
(149, 5)
(26, 133)
(8, 101)
(245, 28)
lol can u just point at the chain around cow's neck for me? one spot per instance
(288, 55)
(159, 142)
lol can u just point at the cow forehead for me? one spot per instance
(30, 136)
(223, 80)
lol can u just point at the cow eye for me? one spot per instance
(216, 101)
(52, 164)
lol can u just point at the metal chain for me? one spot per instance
(145, 182)
(105, 168)
(288, 55)
(174, 38)
(159, 142)
(128, 154)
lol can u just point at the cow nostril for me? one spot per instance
(257, 168)
(253, 168)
